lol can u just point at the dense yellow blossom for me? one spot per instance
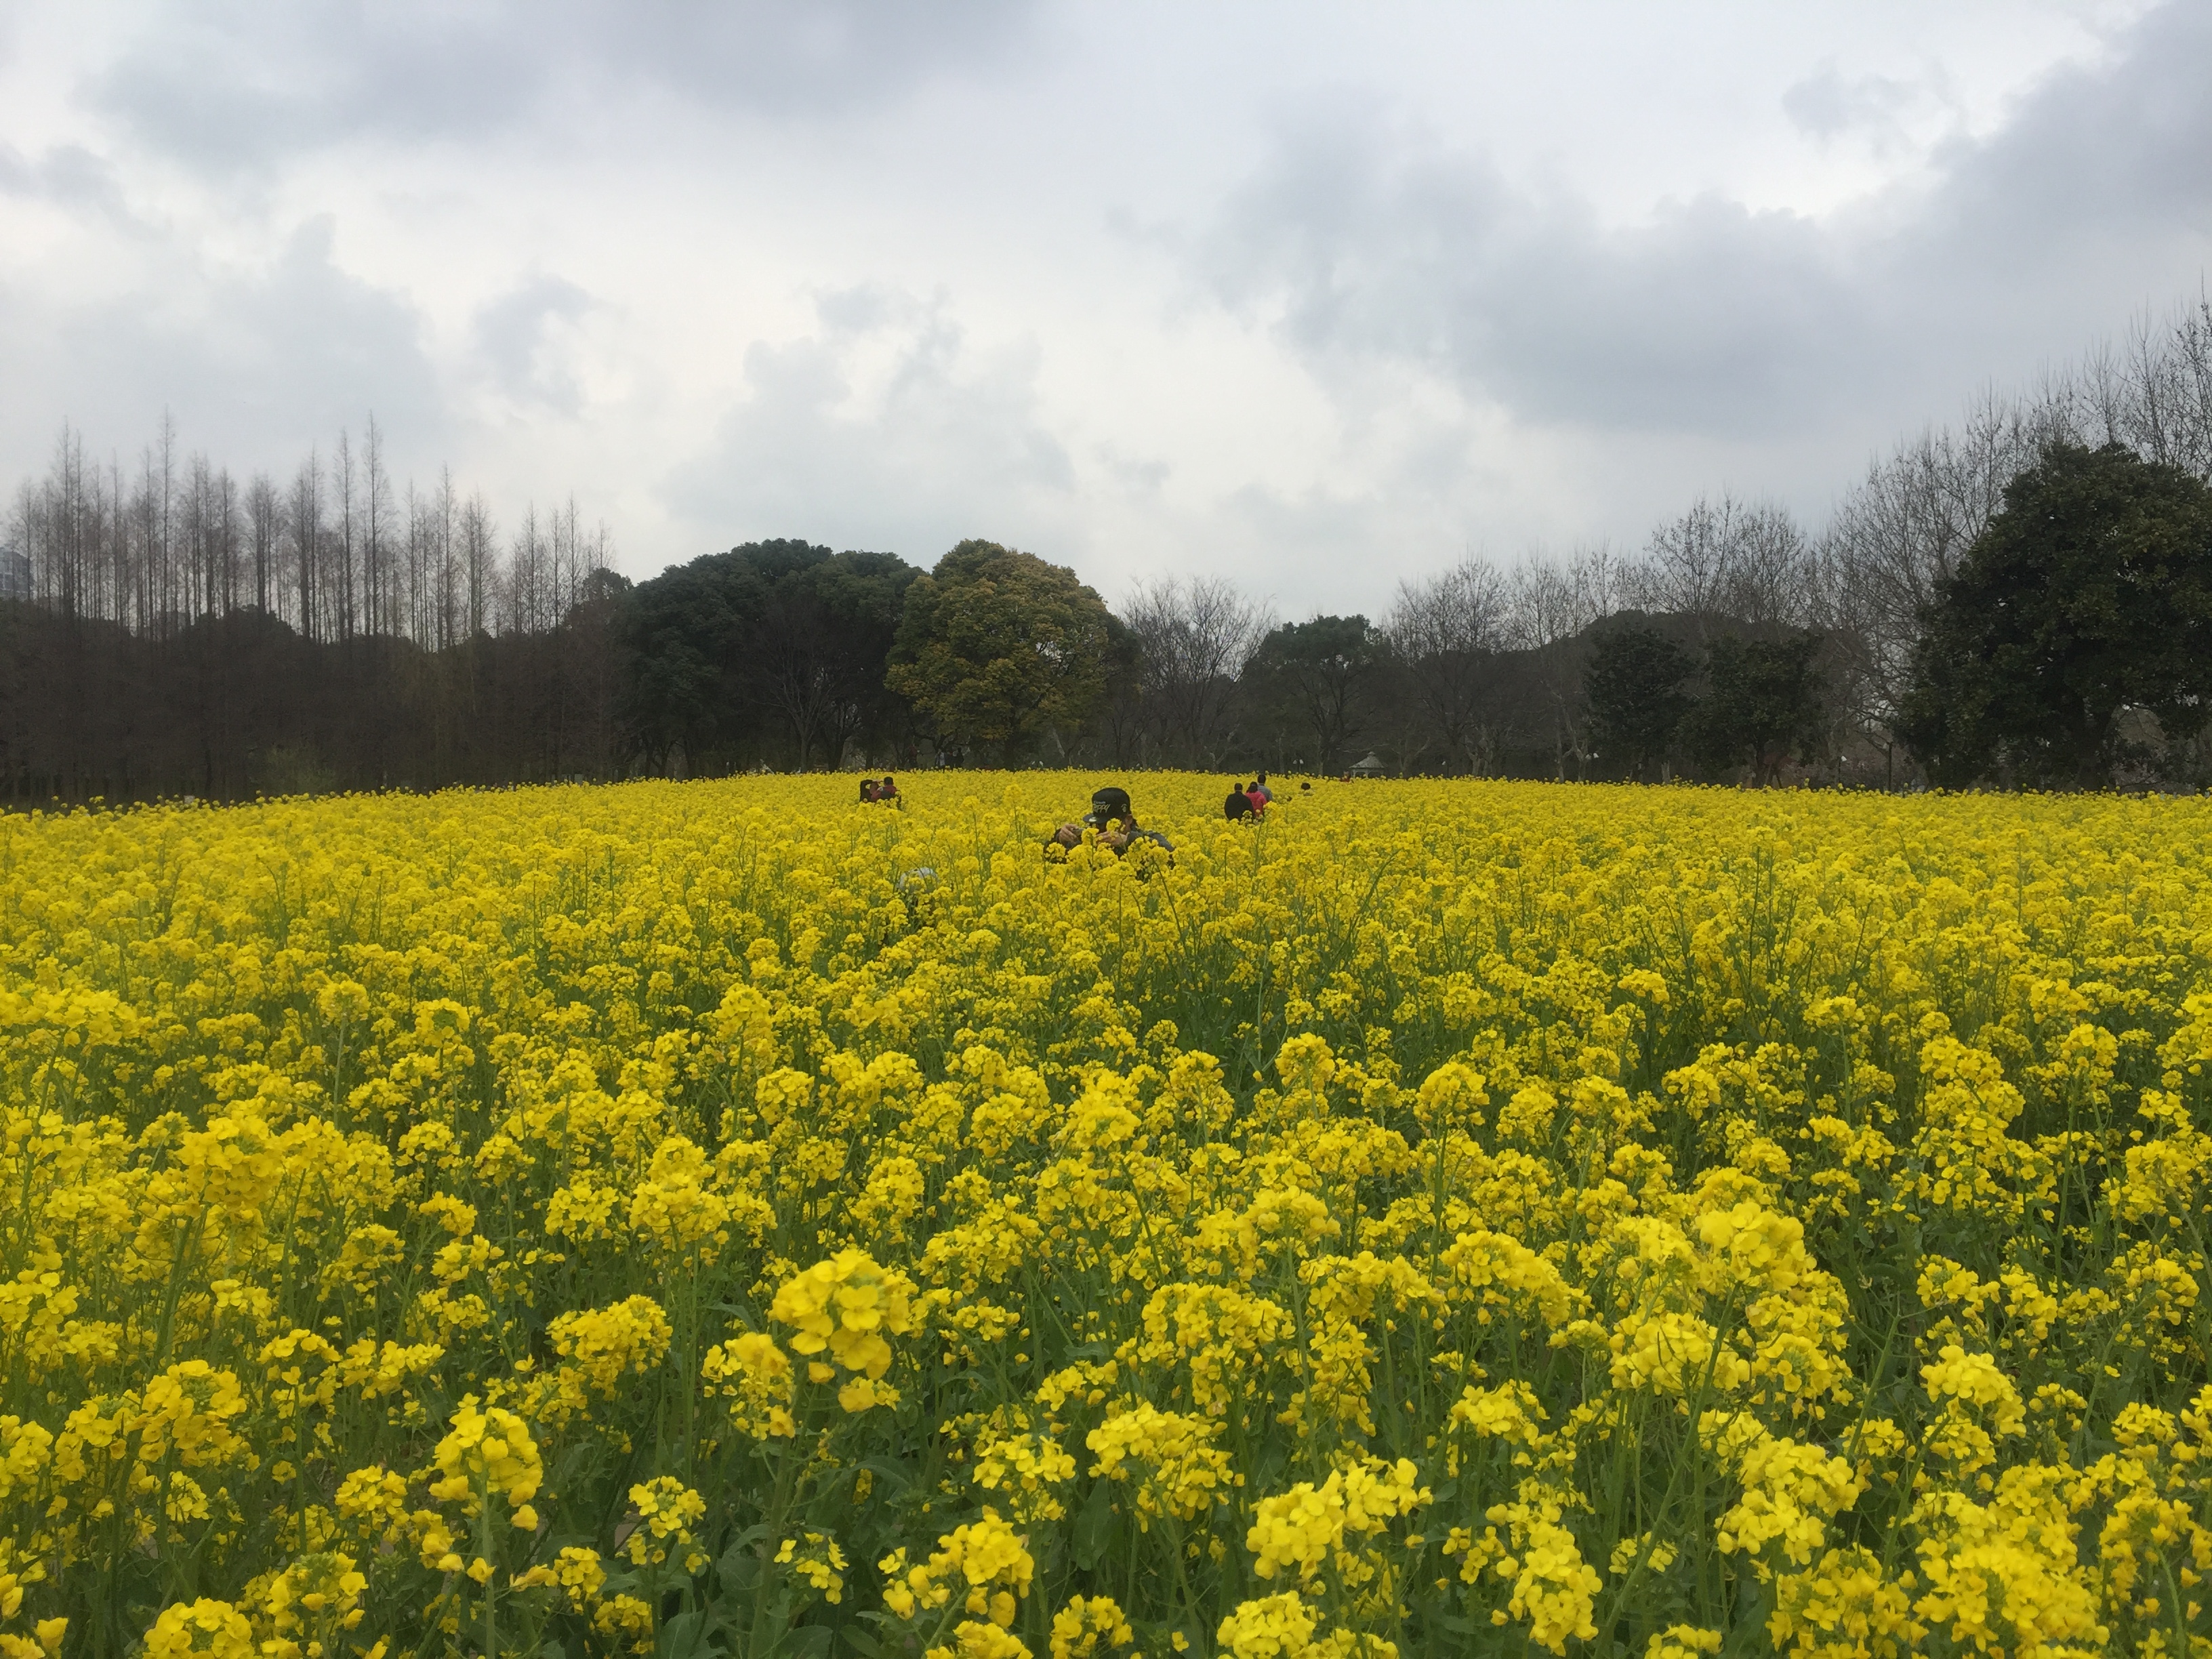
(1655, 1222)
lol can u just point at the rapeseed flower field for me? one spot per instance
(1444, 1217)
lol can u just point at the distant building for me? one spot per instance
(15, 574)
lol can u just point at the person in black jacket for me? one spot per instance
(1239, 803)
(1115, 820)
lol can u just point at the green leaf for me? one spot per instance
(683, 1637)
(892, 1478)
(738, 1569)
(1094, 1526)
(860, 1641)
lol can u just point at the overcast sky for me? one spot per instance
(1309, 296)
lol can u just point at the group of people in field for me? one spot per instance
(1114, 819)
(1112, 816)
(1247, 800)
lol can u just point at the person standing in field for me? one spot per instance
(1261, 792)
(1238, 806)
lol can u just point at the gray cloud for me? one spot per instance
(254, 364)
(951, 445)
(515, 334)
(1709, 317)
(69, 176)
(240, 86)
(800, 55)
(1359, 248)
(1827, 105)
(233, 87)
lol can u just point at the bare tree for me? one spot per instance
(526, 576)
(1897, 534)
(1193, 637)
(141, 545)
(479, 562)
(1444, 633)
(446, 523)
(377, 595)
(1550, 606)
(162, 605)
(415, 568)
(305, 525)
(197, 532)
(569, 556)
(176, 633)
(265, 516)
(341, 479)
(1725, 561)
(2152, 394)
(226, 533)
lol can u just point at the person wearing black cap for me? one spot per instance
(1115, 820)
(1111, 806)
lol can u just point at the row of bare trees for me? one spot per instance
(336, 550)
(172, 631)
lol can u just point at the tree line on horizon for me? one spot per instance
(2023, 598)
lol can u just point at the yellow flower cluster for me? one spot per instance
(847, 1305)
(640, 1219)
(1086, 1627)
(1305, 1528)
(1169, 1457)
(985, 1564)
(488, 1451)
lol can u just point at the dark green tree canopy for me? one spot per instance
(1635, 683)
(1762, 706)
(686, 631)
(825, 640)
(997, 648)
(776, 644)
(2088, 596)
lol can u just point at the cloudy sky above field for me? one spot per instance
(1310, 296)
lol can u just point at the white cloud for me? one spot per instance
(520, 335)
(884, 429)
(255, 361)
(1708, 317)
